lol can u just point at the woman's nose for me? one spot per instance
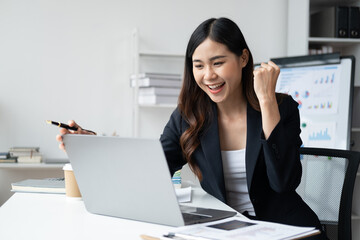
(209, 74)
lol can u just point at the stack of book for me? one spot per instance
(26, 154)
(46, 185)
(157, 88)
(6, 158)
(176, 179)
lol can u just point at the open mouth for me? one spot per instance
(216, 87)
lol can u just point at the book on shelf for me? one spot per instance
(156, 82)
(156, 75)
(29, 159)
(8, 160)
(144, 91)
(26, 154)
(157, 99)
(47, 185)
(24, 149)
(4, 155)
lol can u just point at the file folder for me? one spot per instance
(330, 22)
(354, 22)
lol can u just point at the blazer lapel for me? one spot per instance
(253, 144)
(210, 144)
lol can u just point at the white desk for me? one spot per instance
(52, 216)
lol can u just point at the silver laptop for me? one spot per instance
(129, 178)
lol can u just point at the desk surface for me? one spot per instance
(53, 216)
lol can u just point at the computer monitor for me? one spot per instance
(323, 87)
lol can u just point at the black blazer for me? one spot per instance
(273, 166)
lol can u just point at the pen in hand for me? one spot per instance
(63, 125)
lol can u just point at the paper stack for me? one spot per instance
(6, 158)
(47, 185)
(240, 228)
(157, 88)
(26, 154)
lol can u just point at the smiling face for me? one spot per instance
(218, 71)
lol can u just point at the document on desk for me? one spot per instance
(183, 194)
(238, 228)
(46, 185)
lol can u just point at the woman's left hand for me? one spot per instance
(265, 78)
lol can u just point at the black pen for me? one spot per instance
(63, 125)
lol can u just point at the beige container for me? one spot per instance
(71, 186)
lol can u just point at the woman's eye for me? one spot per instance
(198, 66)
(218, 63)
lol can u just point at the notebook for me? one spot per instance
(129, 178)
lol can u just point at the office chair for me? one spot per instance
(327, 185)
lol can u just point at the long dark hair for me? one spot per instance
(194, 104)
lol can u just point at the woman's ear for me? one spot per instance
(244, 58)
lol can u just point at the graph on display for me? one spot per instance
(322, 87)
(320, 136)
(326, 80)
(315, 134)
(315, 88)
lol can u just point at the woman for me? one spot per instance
(238, 136)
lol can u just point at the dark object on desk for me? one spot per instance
(330, 22)
(327, 185)
(47, 185)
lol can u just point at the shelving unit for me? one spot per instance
(335, 42)
(299, 43)
(151, 61)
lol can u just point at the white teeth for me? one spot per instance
(215, 86)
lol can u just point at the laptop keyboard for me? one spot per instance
(195, 218)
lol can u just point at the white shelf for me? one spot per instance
(355, 217)
(31, 165)
(161, 54)
(151, 61)
(339, 42)
(355, 130)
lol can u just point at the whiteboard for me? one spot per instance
(323, 87)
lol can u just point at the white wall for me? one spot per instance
(70, 59)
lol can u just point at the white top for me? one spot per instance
(237, 192)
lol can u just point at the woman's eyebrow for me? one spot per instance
(211, 59)
(217, 57)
